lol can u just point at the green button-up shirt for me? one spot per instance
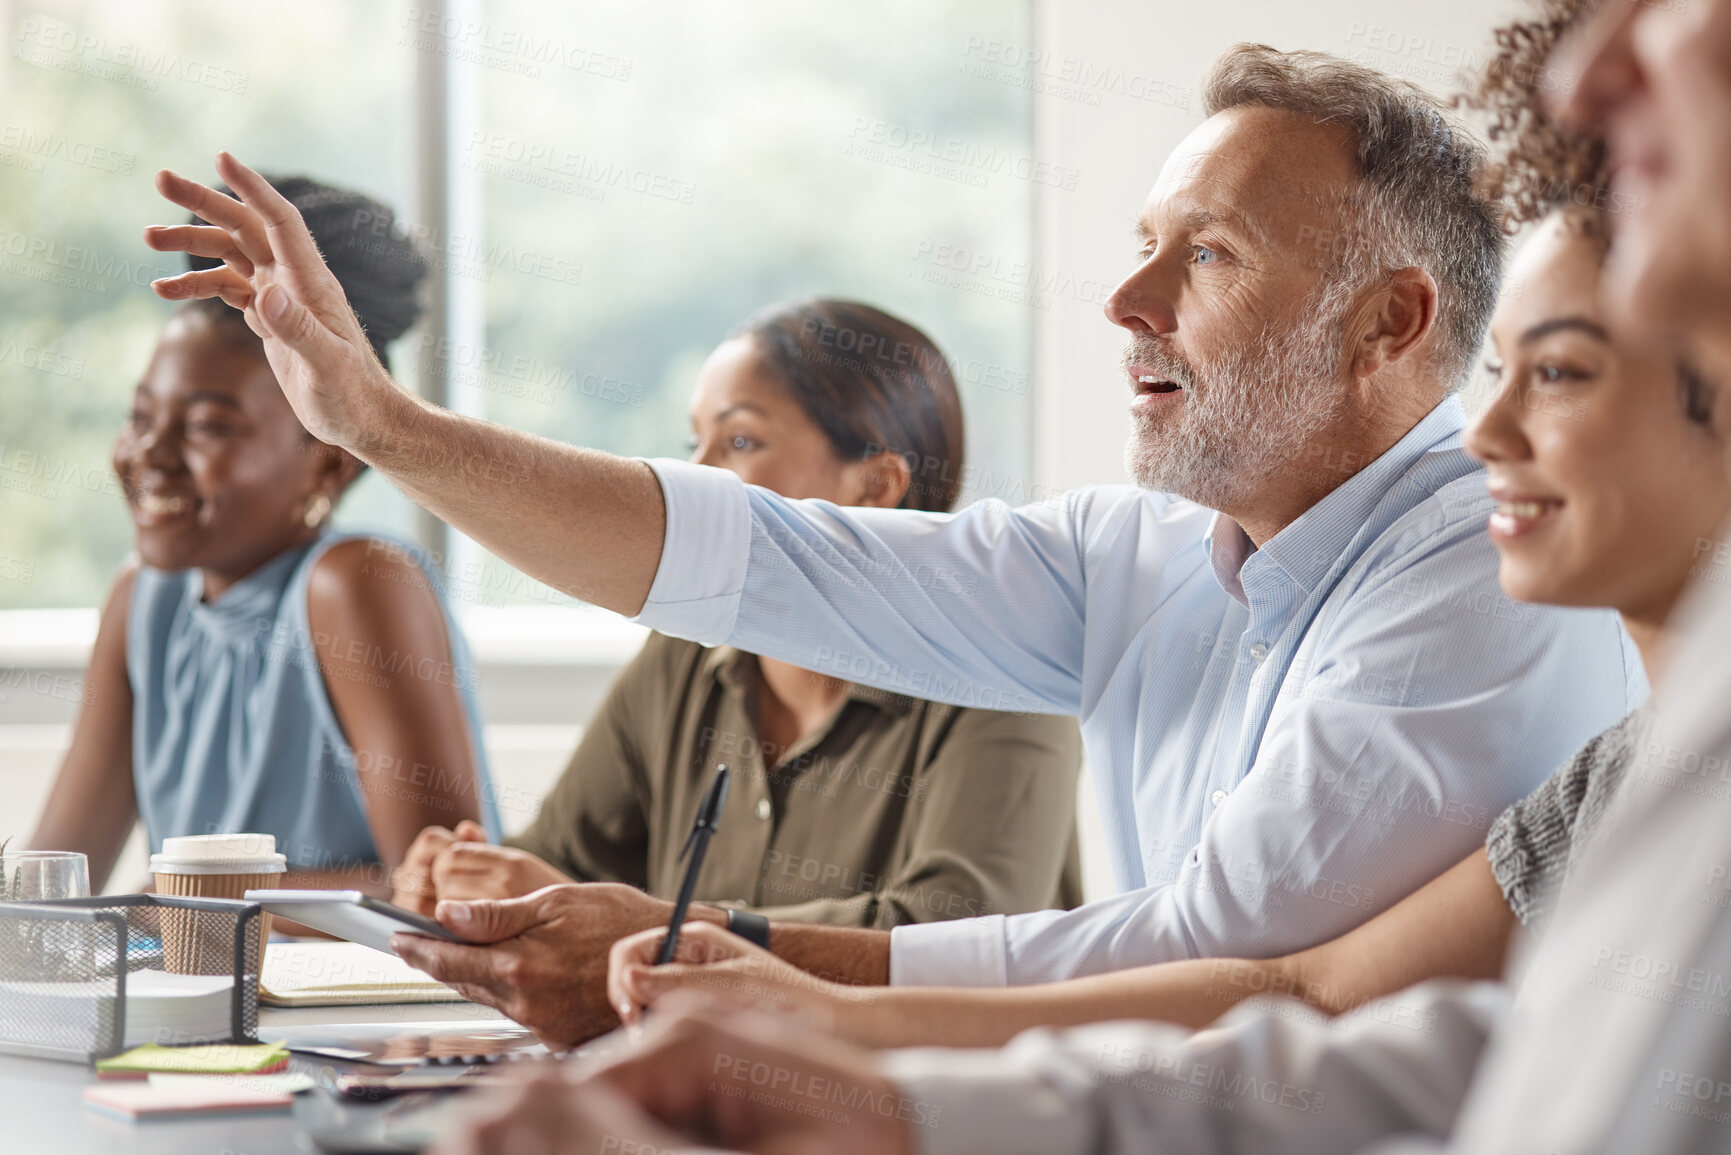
(896, 811)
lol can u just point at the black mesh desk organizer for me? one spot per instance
(64, 966)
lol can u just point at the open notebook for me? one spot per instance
(332, 974)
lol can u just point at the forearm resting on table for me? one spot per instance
(1192, 993)
(850, 956)
(587, 523)
(1458, 926)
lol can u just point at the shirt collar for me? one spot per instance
(247, 607)
(1228, 548)
(1307, 548)
(736, 671)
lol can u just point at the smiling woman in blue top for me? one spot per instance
(254, 670)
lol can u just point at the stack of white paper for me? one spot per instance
(160, 1007)
(169, 1009)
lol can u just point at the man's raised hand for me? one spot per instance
(273, 273)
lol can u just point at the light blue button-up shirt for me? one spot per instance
(1284, 740)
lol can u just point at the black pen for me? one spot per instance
(697, 845)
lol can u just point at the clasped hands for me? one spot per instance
(540, 940)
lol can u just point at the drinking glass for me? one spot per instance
(38, 875)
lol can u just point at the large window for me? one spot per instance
(96, 97)
(700, 160)
(628, 181)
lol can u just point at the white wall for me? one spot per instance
(1124, 76)
(1115, 147)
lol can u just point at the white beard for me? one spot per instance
(1242, 419)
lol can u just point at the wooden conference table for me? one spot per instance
(42, 1112)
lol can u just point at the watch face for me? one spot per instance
(751, 927)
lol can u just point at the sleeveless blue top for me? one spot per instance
(232, 730)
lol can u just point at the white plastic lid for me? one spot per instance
(219, 854)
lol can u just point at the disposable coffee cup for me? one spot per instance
(212, 866)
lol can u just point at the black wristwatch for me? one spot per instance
(750, 927)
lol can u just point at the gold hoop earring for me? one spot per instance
(318, 508)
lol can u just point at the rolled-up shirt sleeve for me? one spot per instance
(1273, 1077)
(915, 603)
(697, 586)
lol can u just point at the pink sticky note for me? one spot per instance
(144, 1101)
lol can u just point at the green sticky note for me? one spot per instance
(205, 1059)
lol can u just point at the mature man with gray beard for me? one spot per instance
(1207, 451)
(1302, 691)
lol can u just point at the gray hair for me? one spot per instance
(1417, 204)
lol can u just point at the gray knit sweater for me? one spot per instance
(1535, 843)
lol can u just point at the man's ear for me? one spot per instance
(1401, 315)
(882, 480)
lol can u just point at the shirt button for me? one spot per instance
(1217, 798)
(763, 809)
(1258, 652)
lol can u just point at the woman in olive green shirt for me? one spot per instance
(848, 805)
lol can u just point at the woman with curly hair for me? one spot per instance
(1538, 165)
(1607, 470)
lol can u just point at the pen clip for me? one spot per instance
(709, 810)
